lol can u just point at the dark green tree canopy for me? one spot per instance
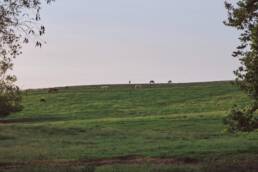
(19, 24)
(244, 17)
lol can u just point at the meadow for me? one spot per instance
(161, 127)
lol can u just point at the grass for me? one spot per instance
(178, 121)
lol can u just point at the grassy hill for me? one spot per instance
(182, 122)
(126, 101)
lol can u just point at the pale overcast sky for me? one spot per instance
(114, 41)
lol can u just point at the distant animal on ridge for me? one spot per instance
(104, 87)
(53, 90)
(137, 86)
(152, 82)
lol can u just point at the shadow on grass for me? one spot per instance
(34, 120)
(209, 166)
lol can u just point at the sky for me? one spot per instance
(114, 41)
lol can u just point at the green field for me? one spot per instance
(180, 122)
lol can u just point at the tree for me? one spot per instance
(244, 17)
(19, 24)
(152, 82)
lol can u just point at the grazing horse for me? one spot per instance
(53, 90)
(43, 100)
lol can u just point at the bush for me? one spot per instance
(241, 120)
(10, 97)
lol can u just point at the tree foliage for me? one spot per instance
(241, 120)
(19, 24)
(244, 17)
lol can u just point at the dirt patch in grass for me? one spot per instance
(100, 162)
(30, 120)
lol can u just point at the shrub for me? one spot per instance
(10, 97)
(241, 120)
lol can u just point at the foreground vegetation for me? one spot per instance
(182, 122)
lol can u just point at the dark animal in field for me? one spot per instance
(170, 82)
(43, 100)
(53, 90)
